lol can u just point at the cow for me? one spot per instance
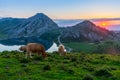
(61, 50)
(33, 48)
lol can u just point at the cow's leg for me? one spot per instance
(65, 53)
(38, 54)
(60, 53)
(30, 54)
(44, 55)
(27, 53)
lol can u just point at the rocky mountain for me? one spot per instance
(7, 25)
(86, 31)
(41, 28)
(13, 29)
(35, 26)
(32, 26)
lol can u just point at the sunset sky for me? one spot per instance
(61, 9)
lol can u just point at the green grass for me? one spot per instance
(73, 66)
(108, 46)
(81, 47)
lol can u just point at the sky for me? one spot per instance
(61, 9)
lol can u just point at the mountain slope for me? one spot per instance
(7, 25)
(22, 31)
(34, 26)
(86, 31)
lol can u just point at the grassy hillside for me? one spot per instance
(107, 46)
(81, 47)
(73, 66)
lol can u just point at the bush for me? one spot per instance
(73, 59)
(47, 67)
(6, 56)
(88, 67)
(83, 57)
(88, 77)
(24, 65)
(26, 69)
(103, 72)
(70, 71)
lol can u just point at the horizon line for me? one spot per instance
(111, 18)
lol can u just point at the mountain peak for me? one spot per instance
(38, 16)
(87, 22)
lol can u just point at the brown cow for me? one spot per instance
(33, 48)
(61, 50)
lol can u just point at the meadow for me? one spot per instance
(73, 66)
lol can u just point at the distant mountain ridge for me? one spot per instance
(72, 22)
(86, 31)
(40, 26)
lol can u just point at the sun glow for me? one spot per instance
(103, 24)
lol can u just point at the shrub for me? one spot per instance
(83, 57)
(6, 56)
(23, 65)
(26, 69)
(47, 67)
(103, 72)
(88, 67)
(88, 77)
(73, 59)
(70, 71)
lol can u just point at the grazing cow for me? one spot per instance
(61, 50)
(33, 48)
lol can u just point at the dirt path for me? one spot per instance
(59, 41)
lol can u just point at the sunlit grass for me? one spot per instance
(73, 66)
